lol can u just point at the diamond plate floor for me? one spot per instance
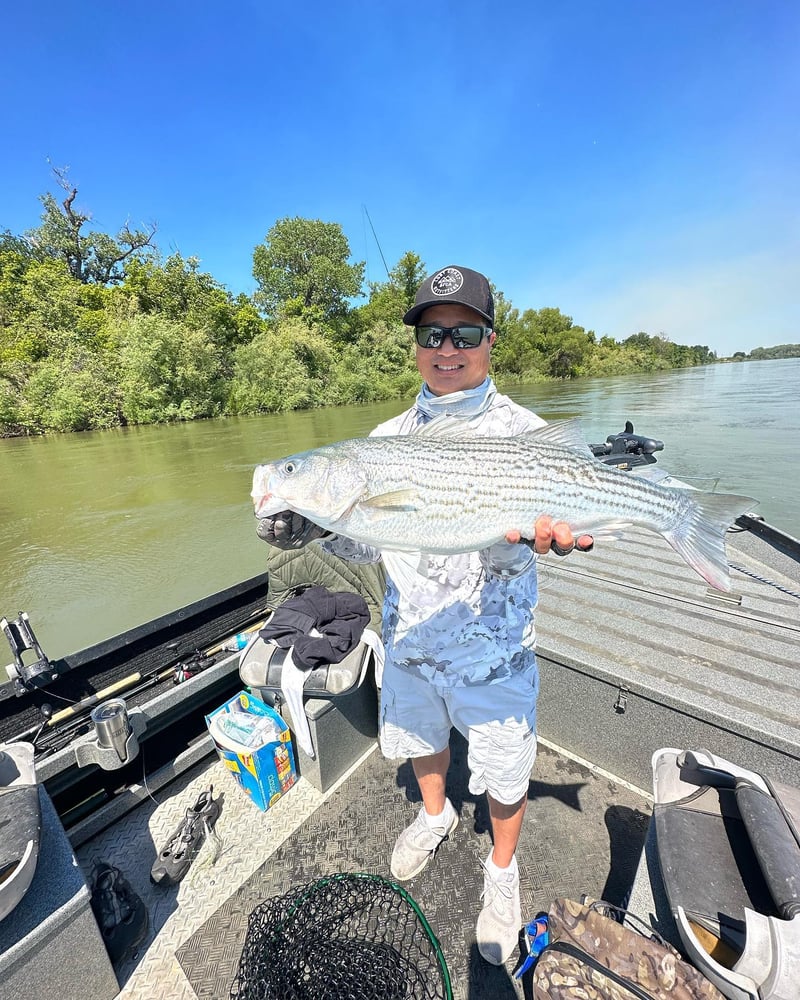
(583, 832)
(132, 843)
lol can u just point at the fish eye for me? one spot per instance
(289, 467)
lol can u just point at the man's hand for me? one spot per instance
(555, 535)
(288, 530)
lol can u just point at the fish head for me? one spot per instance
(322, 485)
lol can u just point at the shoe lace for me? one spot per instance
(195, 815)
(421, 834)
(179, 843)
(498, 890)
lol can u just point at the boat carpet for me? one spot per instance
(583, 833)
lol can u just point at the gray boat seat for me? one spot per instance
(341, 709)
(261, 667)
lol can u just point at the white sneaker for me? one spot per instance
(500, 920)
(417, 844)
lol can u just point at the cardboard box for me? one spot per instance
(264, 772)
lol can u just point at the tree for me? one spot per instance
(379, 364)
(49, 312)
(641, 339)
(92, 257)
(16, 255)
(285, 367)
(779, 351)
(518, 351)
(73, 391)
(10, 400)
(302, 268)
(178, 290)
(541, 342)
(167, 372)
(390, 300)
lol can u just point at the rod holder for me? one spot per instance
(114, 742)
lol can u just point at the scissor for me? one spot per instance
(537, 937)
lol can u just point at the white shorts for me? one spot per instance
(497, 720)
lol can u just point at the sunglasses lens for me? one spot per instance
(467, 336)
(429, 336)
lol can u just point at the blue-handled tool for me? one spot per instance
(537, 937)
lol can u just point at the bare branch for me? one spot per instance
(135, 241)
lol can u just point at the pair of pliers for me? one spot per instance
(537, 937)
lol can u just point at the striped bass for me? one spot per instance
(442, 490)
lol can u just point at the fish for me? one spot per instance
(444, 490)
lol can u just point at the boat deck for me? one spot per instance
(636, 653)
(584, 832)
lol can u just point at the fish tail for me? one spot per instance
(700, 536)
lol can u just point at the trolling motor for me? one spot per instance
(627, 450)
(26, 677)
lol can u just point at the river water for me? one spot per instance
(103, 531)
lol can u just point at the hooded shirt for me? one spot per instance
(466, 619)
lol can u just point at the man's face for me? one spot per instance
(446, 368)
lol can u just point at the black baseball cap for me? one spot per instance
(458, 285)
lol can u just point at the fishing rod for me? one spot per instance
(70, 719)
(380, 251)
(68, 722)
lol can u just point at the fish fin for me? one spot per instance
(403, 568)
(700, 537)
(564, 433)
(396, 500)
(603, 532)
(652, 473)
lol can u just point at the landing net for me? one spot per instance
(341, 937)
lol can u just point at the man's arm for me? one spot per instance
(509, 559)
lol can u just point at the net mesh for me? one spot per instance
(342, 937)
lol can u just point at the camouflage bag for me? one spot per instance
(593, 956)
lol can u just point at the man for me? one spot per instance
(460, 641)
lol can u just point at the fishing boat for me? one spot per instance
(635, 653)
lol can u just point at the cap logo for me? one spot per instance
(447, 282)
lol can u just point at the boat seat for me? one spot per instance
(261, 668)
(340, 704)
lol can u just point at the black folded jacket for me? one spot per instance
(341, 617)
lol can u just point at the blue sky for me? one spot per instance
(633, 163)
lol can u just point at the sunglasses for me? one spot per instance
(463, 337)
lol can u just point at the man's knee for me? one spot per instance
(506, 810)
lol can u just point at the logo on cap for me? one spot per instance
(447, 281)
